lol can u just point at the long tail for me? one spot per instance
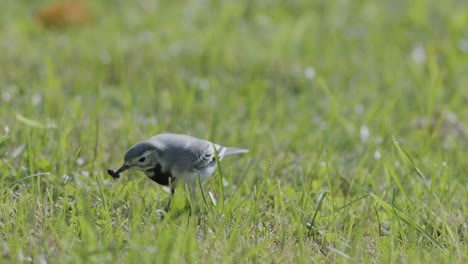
(225, 151)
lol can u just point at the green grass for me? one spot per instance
(299, 83)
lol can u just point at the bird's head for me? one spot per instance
(142, 156)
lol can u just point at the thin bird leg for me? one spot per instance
(172, 194)
(170, 199)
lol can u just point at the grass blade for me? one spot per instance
(401, 216)
(404, 154)
(29, 122)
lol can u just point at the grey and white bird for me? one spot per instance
(169, 159)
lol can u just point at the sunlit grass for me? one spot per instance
(354, 115)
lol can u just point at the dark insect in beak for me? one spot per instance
(116, 174)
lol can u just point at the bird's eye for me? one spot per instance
(142, 159)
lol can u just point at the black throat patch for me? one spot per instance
(156, 174)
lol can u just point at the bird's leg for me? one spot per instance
(172, 194)
(170, 199)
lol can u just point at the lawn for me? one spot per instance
(355, 114)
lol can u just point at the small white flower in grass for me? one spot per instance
(80, 161)
(17, 151)
(22, 258)
(378, 140)
(146, 36)
(377, 155)
(309, 72)
(36, 99)
(204, 84)
(42, 259)
(418, 55)
(51, 126)
(364, 132)
(7, 129)
(66, 178)
(175, 49)
(463, 45)
(451, 117)
(6, 96)
(106, 58)
(359, 109)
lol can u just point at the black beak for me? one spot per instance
(116, 174)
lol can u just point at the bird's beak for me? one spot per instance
(124, 167)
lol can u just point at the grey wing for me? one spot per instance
(204, 158)
(183, 152)
(208, 157)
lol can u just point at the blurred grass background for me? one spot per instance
(334, 99)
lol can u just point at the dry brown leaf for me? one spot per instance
(64, 13)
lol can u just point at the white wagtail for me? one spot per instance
(170, 158)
